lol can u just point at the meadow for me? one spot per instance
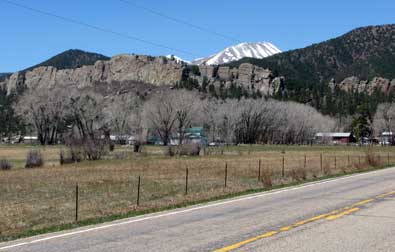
(40, 198)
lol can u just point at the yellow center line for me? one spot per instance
(364, 202)
(283, 229)
(350, 211)
(385, 195)
(329, 216)
(239, 244)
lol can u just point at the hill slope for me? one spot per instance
(71, 59)
(364, 52)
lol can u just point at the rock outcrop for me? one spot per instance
(142, 69)
(354, 84)
(125, 73)
(127, 70)
(246, 75)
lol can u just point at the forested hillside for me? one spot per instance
(365, 52)
(71, 59)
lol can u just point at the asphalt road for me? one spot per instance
(355, 213)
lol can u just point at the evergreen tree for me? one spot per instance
(361, 123)
(10, 124)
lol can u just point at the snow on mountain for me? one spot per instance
(177, 59)
(253, 50)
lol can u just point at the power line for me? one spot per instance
(95, 27)
(180, 21)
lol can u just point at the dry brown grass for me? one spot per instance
(35, 199)
(267, 177)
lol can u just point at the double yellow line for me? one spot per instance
(328, 216)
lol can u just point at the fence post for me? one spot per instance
(388, 158)
(76, 202)
(335, 163)
(226, 174)
(259, 170)
(359, 159)
(186, 181)
(379, 158)
(305, 161)
(138, 191)
(283, 168)
(348, 160)
(321, 163)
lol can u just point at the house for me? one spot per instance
(123, 139)
(30, 139)
(193, 135)
(387, 138)
(334, 138)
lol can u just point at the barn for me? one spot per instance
(334, 138)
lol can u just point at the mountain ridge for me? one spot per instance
(340, 75)
(71, 59)
(365, 52)
(335, 76)
(239, 51)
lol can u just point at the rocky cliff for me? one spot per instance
(128, 70)
(136, 68)
(246, 75)
(354, 84)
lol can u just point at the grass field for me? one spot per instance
(34, 199)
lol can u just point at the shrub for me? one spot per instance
(184, 150)
(171, 151)
(344, 169)
(359, 167)
(267, 176)
(326, 168)
(5, 164)
(75, 152)
(83, 148)
(299, 174)
(189, 150)
(137, 147)
(371, 159)
(94, 148)
(120, 155)
(71, 156)
(34, 159)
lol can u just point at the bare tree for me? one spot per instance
(384, 119)
(250, 125)
(227, 115)
(160, 112)
(268, 121)
(173, 112)
(119, 115)
(209, 118)
(86, 113)
(187, 107)
(44, 109)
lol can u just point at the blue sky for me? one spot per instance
(28, 38)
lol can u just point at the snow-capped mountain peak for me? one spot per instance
(253, 50)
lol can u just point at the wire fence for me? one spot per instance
(31, 206)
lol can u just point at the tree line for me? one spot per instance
(61, 112)
(57, 113)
